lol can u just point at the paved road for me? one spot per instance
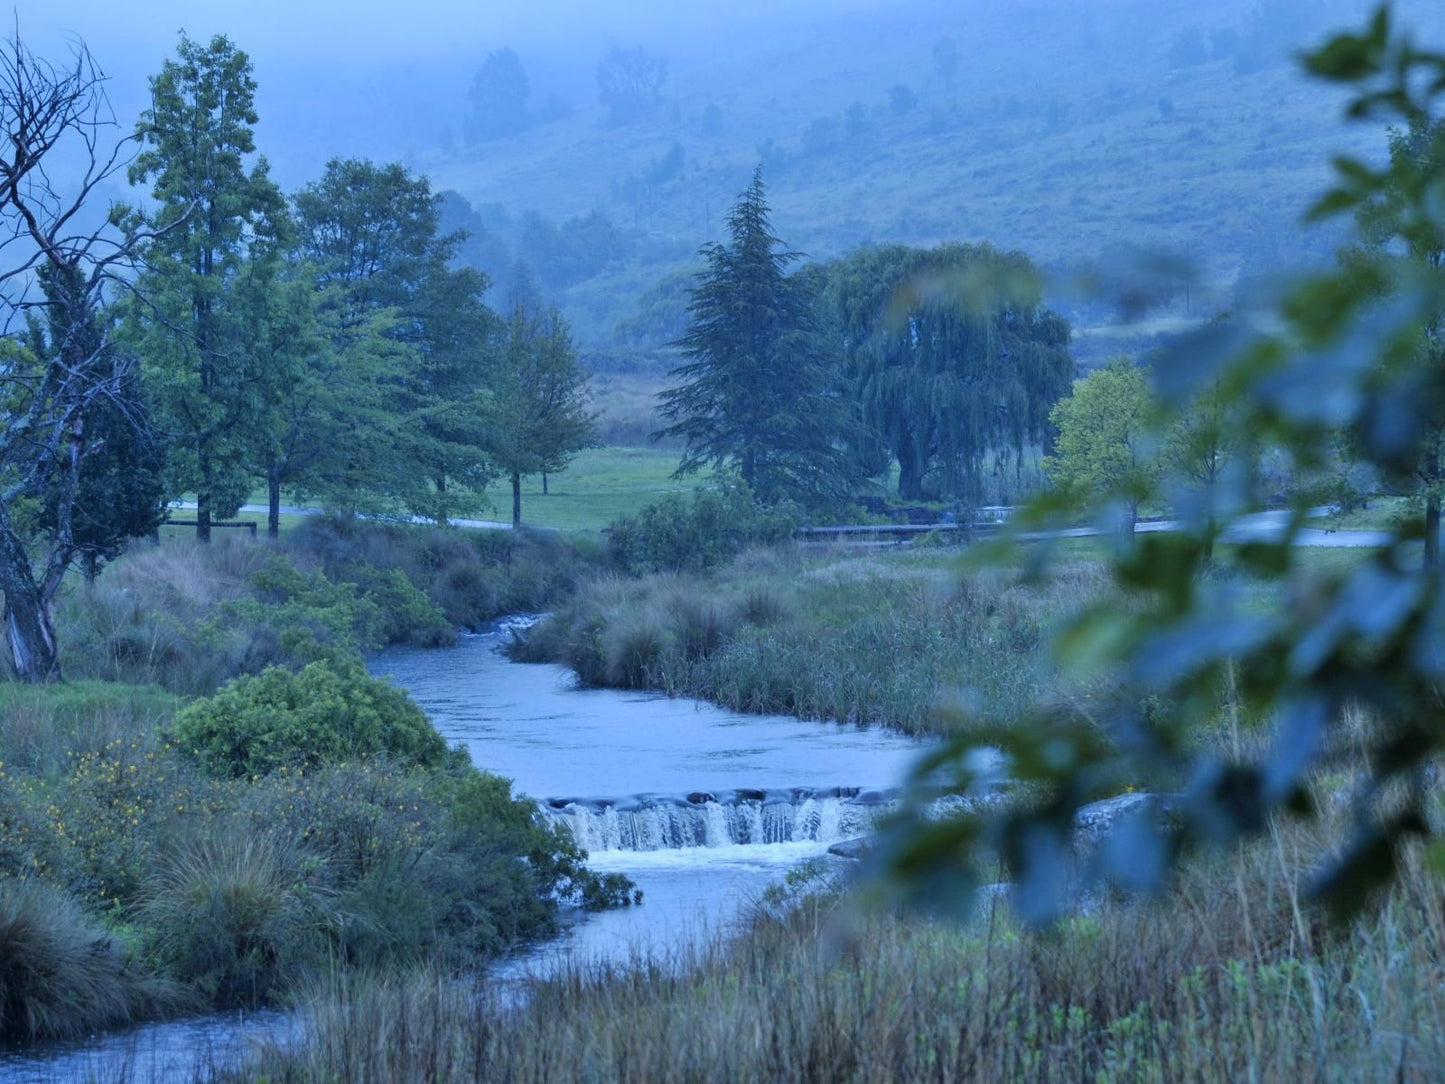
(1257, 527)
(292, 510)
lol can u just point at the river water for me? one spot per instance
(703, 808)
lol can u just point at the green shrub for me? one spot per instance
(329, 712)
(306, 606)
(59, 974)
(408, 615)
(721, 520)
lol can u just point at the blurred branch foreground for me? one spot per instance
(1356, 360)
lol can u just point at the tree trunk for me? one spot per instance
(91, 564)
(516, 499)
(910, 478)
(28, 628)
(544, 483)
(273, 506)
(1130, 519)
(1432, 532)
(203, 517)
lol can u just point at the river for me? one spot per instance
(703, 808)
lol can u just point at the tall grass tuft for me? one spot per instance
(234, 917)
(861, 641)
(1230, 977)
(59, 974)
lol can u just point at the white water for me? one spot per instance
(619, 770)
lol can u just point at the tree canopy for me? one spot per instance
(955, 360)
(220, 223)
(1105, 443)
(756, 390)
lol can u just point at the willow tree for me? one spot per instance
(756, 391)
(955, 359)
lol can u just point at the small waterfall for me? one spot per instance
(650, 822)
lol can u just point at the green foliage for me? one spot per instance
(540, 419)
(218, 229)
(1351, 351)
(720, 520)
(371, 234)
(329, 712)
(755, 391)
(1105, 443)
(954, 360)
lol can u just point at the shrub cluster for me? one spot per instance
(326, 713)
(717, 523)
(292, 823)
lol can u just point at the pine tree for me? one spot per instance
(755, 392)
(218, 229)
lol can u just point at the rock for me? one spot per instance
(700, 797)
(852, 848)
(1096, 820)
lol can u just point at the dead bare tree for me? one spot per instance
(62, 261)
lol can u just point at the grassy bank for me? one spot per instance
(222, 806)
(868, 639)
(1229, 978)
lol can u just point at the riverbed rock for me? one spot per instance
(855, 848)
(701, 797)
(1096, 821)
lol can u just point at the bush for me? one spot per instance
(59, 974)
(720, 521)
(329, 712)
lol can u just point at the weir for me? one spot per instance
(744, 817)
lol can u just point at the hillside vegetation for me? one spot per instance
(1074, 137)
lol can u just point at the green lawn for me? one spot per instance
(600, 485)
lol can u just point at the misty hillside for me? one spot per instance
(1072, 132)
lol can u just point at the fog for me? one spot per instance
(1073, 130)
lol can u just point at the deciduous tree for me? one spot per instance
(1105, 443)
(540, 418)
(65, 400)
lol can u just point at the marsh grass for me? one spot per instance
(61, 974)
(864, 640)
(1229, 977)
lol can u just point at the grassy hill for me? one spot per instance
(1070, 132)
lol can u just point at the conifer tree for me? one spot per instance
(218, 228)
(756, 392)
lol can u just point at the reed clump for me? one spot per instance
(859, 641)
